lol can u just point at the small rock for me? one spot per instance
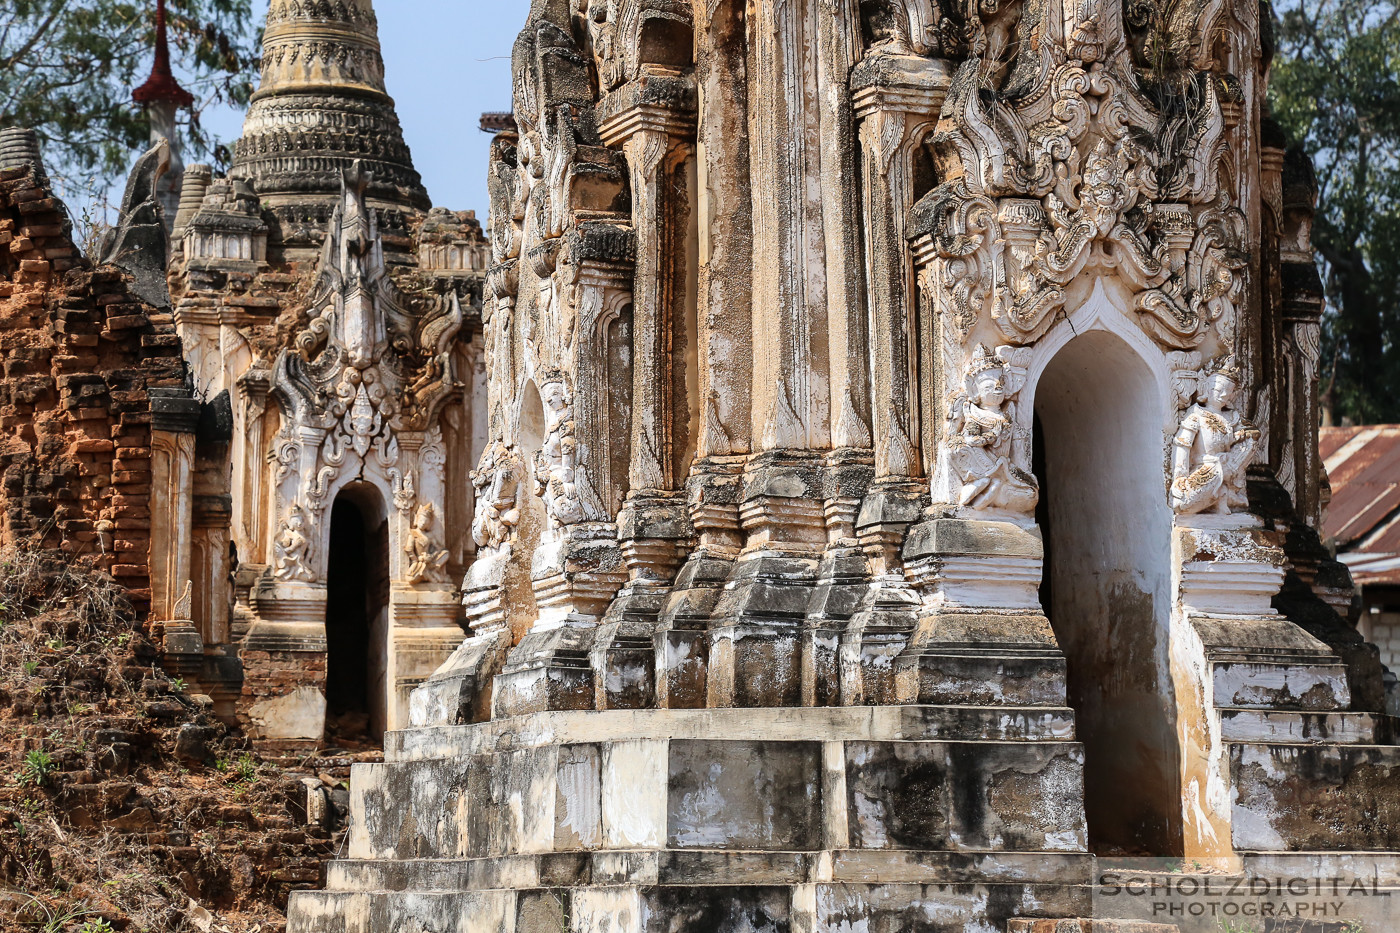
(164, 709)
(192, 743)
(116, 758)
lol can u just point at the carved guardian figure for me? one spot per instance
(1212, 448)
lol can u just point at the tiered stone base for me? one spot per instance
(878, 818)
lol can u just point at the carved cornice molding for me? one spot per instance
(660, 105)
(908, 84)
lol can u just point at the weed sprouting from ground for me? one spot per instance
(64, 630)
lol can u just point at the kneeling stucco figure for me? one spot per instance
(425, 558)
(984, 427)
(1212, 448)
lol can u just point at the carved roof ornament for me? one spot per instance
(1075, 150)
(369, 362)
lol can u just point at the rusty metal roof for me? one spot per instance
(1363, 465)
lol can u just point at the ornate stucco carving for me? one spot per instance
(293, 546)
(497, 482)
(1087, 168)
(426, 559)
(1213, 446)
(989, 448)
(365, 376)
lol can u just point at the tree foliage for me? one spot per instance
(67, 69)
(1336, 89)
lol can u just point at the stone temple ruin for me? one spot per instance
(868, 474)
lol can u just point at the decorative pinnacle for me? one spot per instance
(161, 85)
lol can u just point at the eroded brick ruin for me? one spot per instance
(869, 473)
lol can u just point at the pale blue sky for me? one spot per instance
(445, 63)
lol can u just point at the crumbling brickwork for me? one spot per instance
(80, 352)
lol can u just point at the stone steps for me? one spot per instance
(719, 793)
(706, 867)
(881, 779)
(1023, 925)
(889, 723)
(1313, 685)
(1276, 727)
(1379, 868)
(685, 908)
(1292, 796)
(941, 676)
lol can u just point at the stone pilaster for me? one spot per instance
(897, 99)
(843, 576)
(653, 119)
(725, 232)
(839, 48)
(755, 639)
(174, 418)
(681, 642)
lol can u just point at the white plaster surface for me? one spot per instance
(300, 714)
(634, 794)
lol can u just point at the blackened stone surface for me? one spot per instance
(720, 910)
(744, 795)
(898, 795)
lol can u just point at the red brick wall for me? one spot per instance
(79, 352)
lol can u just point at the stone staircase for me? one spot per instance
(1088, 926)
(1306, 772)
(710, 820)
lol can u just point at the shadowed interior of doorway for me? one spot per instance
(1098, 453)
(357, 587)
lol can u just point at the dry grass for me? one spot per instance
(90, 843)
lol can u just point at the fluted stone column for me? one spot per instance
(653, 119)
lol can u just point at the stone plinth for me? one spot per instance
(702, 820)
(982, 636)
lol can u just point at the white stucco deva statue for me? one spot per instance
(987, 442)
(1213, 447)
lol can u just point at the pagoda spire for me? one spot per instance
(163, 97)
(321, 106)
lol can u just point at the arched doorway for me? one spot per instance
(1107, 529)
(357, 616)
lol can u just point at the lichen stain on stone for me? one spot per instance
(1038, 807)
(580, 791)
(1319, 804)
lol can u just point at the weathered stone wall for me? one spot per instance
(80, 352)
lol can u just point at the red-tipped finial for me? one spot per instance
(161, 85)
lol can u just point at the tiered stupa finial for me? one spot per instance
(163, 97)
(321, 105)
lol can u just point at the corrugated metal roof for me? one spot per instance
(1363, 465)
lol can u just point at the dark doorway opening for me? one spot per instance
(1103, 514)
(356, 619)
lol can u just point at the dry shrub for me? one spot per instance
(76, 669)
